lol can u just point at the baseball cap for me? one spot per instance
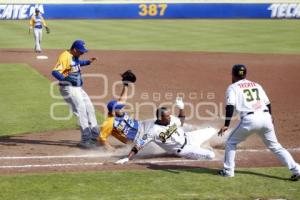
(114, 105)
(239, 70)
(79, 45)
(37, 10)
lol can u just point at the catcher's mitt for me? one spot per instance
(128, 77)
(47, 29)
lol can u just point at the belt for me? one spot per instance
(68, 84)
(185, 142)
(64, 84)
(250, 113)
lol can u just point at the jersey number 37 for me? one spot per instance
(251, 94)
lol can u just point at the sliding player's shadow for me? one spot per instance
(175, 168)
(17, 141)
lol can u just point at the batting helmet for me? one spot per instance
(239, 70)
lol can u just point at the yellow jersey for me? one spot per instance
(123, 128)
(37, 21)
(66, 64)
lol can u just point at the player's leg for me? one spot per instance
(40, 36)
(269, 138)
(35, 36)
(65, 92)
(78, 100)
(200, 136)
(192, 150)
(37, 47)
(91, 115)
(72, 96)
(195, 153)
(239, 134)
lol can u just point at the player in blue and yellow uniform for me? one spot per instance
(68, 71)
(118, 123)
(37, 22)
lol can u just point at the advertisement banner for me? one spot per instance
(153, 11)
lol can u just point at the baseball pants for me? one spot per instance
(84, 110)
(38, 33)
(260, 123)
(192, 150)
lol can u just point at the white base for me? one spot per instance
(42, 57)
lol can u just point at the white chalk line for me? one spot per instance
(47, 157)
(182, 161)
(267, 150)
(98, 156)
(95, 164)
(50, 165)
(166, 161)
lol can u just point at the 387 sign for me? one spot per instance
(152, 10)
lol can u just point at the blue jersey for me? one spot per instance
(127, 126)
(70, 67)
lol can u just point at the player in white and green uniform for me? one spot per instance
(251, 102)
(167, 132)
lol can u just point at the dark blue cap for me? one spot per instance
(239, 70)
(37, 10)
(79, 45)
(114, 105)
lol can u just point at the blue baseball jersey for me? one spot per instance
(70, 67)
(123, 128)
(127, 126)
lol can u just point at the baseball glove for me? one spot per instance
(128, 77)
(47, 29)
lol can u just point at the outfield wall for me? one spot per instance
(141, 9)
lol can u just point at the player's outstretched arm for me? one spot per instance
(269, 108)
(127, 77)
(140, 144)
(31, 23)
(180, 105)
(87, 62)
(122, 161)
(229, 113)
(123, 96)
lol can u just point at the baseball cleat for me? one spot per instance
(84, 145)
(295, 177)
(225, 173)
(94, 143)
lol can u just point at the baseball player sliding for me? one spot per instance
(251, 102)
(68, 71)
(37, 22)
(167, 132)
(118, 122)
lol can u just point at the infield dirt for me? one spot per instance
(201, 78)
